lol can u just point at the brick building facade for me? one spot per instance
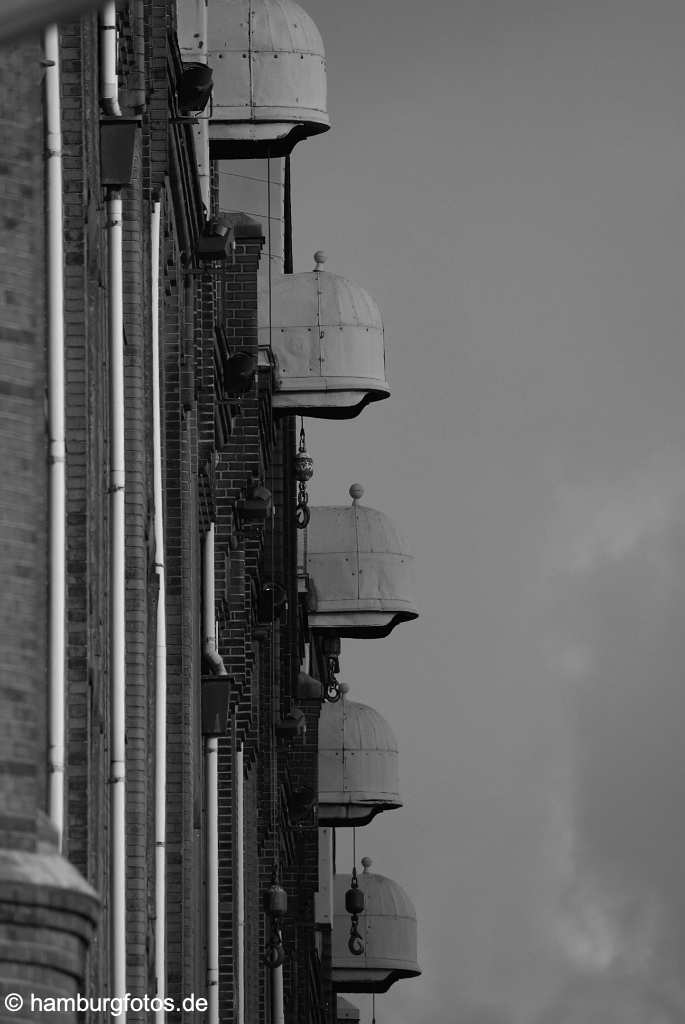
(197, 670)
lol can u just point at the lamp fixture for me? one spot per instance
(194, 87)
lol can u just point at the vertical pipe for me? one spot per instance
(117, 602)
(202, 129)
(211, 787)
(277, 995)
(287, 220)
(56, 431)
(208, 618)
(160, 648)
(211, 776)
(109, 80)
(238, 782)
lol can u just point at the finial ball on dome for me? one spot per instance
(356, 491)
(319, 258)
(366, 863)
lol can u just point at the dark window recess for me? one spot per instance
(225, 409)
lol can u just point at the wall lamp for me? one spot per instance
(194, 88)
(217, 241)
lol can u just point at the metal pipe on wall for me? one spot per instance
(209, 621)
(212, 797)
(202, 128)
(117, 664)
(160, 643)
(211, 786)
(239, 788)
(277, 995)
(56, 433)
(109, 80)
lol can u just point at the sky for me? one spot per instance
(506, 177)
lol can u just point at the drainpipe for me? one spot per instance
(56, 431)
(117, 601)
(202, 128)
(212, 788)
(160, 648)
(209, 624)
(109, 82)
(277, 995)
(212, 778)
(238, 782)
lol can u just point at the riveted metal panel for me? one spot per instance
(388, 930)
(360, 574)
(231, 92)
(296, 92)
(358, 775)
(386, 577)
(332, 530)
(269, 67)
(328, 344)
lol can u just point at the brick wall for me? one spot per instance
(23, 549)
(47, 911)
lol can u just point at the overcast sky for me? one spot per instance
(507, 178)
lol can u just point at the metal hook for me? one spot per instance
(274, 956)
(332, 690)
(275, 953)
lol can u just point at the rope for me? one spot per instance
(268, 233)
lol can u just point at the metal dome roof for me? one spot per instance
(357, 764)
(360, 573)
(327, 339)
(388, 930)
(269, 70)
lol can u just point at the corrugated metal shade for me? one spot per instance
(388, 930)
(360, 572)
(269, 77)
(327, 340)
(358, 775)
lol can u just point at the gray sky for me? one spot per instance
(507, 178)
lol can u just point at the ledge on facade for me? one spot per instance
(243, 225)
(48, 913)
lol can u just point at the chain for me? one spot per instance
(355, 943)
(332, 692)
(305, 469)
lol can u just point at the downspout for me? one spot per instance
(238, 781)
(277, 995)
(160, 648)
(109, 81)
(138, 93)
(109, 99)
(56, 431)
(202, 128)
(117, 602)
(212, 787)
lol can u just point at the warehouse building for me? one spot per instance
(179, 748)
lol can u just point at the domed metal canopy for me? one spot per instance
(269, 78)
(388, 930)
(327, 340)
(357, 764)
(360, 574)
